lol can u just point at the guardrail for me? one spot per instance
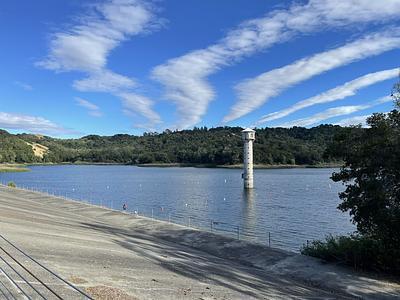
(25, 277)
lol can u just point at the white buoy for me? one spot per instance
(248, 136)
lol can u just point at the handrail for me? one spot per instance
(47, 269)
(15, 284)
(8, 290)
(33, 275)
(20, 276)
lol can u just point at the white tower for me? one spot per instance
(248, 136)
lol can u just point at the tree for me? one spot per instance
(396, 93)
(372, 177)
(371, 173)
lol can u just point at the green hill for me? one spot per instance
(214, 146)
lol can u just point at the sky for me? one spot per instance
(70, 68)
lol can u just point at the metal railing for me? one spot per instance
(163, 214)
(25, 277)
(192, 221)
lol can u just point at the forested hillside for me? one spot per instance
(14, 149)
(216, 146)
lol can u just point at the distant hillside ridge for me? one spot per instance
(211, 146)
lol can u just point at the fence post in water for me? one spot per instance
(211, 225)
(152, 213)
(238, 233)
(189, 221)
(269, 239)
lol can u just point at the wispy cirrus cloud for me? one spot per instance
(104, 81)
(86, 45)
(254, 92)
(140, 104)
(185, 77)
(335, 112)
(353, 121)
(24, 85)
(32, 124)
(340, 92)
(92, 108)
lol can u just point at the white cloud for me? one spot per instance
(25, 86)
(140, 104)
(340, 92)
(354, 121)
(86, 45)
(31, 124)
(334, 112)
(104, 81)
(93, 109)
(185, 77)
(254, 92)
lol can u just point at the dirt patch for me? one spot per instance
(38, 149)
(77, 280)
(108, 293)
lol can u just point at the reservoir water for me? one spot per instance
(286, 208)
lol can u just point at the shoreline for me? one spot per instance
(104, 247)
(9, 167)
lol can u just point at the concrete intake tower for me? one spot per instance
(248, 136)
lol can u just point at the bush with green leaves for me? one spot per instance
(357, 251)
(11, 184)
(371, 173)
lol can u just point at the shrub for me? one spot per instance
(360, 252)
(11, 184)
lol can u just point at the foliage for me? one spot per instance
(357, 251)
(396, 93)
(14, 150)
(371, 173)
(214, 146)
(11, 184)
(372, 176)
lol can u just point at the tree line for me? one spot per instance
(211, 146)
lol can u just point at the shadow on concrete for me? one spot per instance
(201, 266)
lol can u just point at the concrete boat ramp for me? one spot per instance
(108, 254)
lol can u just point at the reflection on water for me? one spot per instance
(294, 205)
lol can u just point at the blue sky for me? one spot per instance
(71, 68)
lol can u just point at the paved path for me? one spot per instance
(107, 252)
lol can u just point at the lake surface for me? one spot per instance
(286, 208)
